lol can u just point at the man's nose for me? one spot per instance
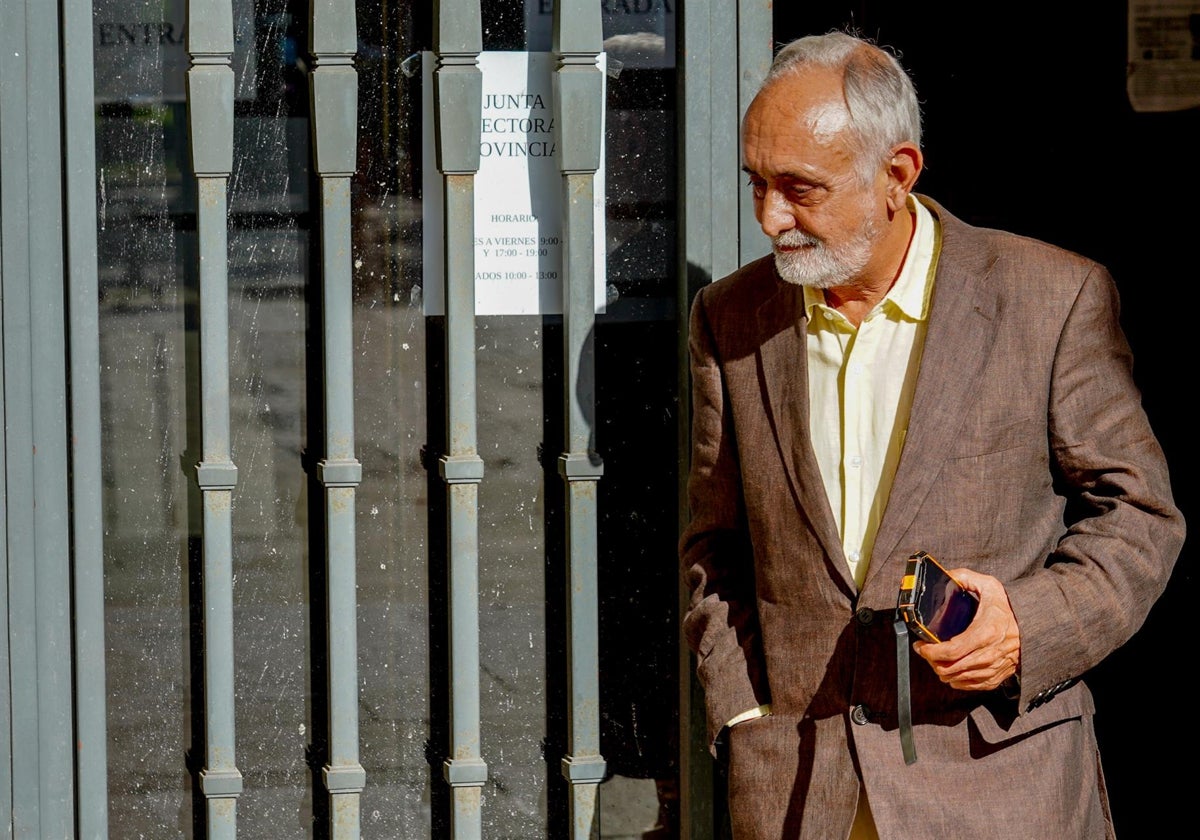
(774, 215)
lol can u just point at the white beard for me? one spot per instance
(817, 264)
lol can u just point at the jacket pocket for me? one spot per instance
(985, 438)
(999, 722)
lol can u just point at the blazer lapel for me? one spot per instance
(783, 372)
(962, 326)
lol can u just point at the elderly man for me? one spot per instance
(893, 380)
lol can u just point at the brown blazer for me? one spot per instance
(1028, 457)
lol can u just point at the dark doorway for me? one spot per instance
(1028, 127)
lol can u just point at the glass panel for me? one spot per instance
(392, 376)
(147, 213)
(270, 226)
(637, 414)
(147, 284)
(149, 383)
(520, 370)
(512, 577)
(150, 357)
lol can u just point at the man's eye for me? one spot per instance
(759, 187)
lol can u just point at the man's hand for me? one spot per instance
(989, 651)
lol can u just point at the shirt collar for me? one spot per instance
(911, 292)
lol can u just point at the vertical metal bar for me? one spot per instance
(709, 248)
(695, 154)
(210, 130)
(714, 243)
(38, 799)
(334, 88)
(7, 719)
(12, 80)
(91, 751)
(694, 66)
(754, 51)
(723, 138)
(579, 108)
(719, 233)
(19, 730)
(7, 781)
(458, 92)
(51, 557)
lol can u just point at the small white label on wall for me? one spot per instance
(1163, 72)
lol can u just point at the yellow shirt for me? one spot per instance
(860, 389)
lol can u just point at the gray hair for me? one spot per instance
(879, 94)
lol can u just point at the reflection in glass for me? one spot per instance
(149, 363)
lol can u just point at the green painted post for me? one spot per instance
(754, 52)
(210, 129)
(79, 126)
(458, 92)
(334, 89)
(698, 203)
(719, 233)
(19, 792)
(37, 779)
(579, 107)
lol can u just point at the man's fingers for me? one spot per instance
(986, 653)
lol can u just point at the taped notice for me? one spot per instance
(1164, 55)
(518, 194)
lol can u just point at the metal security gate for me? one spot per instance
(288, 553)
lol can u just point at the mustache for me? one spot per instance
(795, 239)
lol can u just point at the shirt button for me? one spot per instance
(855, 461)
(856, 368)
(860, 714)
(828, 315)
(865, 615)
(854, 556)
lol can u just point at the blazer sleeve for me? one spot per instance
(1123, 532)
(721, 620)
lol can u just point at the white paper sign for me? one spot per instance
(518, 193)
(1163, 72)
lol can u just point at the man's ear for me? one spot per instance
(903, 170)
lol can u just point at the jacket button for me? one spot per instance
(860, 714)
(865, 615)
